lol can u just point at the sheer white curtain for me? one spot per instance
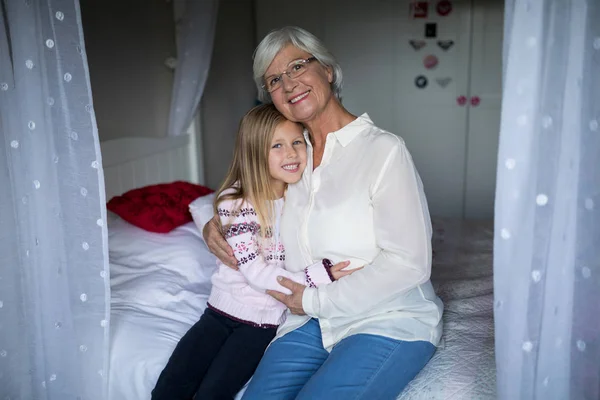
(196, 34)
(54, 284)
(547, 239)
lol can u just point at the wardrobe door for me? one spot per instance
(485, 107)
(430, 119)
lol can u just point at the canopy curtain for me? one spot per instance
(547, 221)
(54, 283)
(196, 34)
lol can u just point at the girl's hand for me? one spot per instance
(337, 270)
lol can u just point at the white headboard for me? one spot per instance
(133, 162)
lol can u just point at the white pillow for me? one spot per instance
(163, 274)
(202, 210)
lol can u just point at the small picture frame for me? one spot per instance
(431, 30)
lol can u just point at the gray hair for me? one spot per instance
(276, 40)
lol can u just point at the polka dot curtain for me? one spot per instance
(547, 223)
(54, 288)
(196, 23)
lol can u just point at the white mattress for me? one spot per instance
(160, 284)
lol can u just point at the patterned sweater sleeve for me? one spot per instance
(241, 230)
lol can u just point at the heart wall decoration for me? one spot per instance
(445, 44)
(430, 61)
(443, 82)
(417, 44)
(443, 7)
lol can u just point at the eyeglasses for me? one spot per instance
(293, 71)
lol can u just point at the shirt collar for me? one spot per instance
(350, 131)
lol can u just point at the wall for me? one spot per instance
(127, 43)
(454, 147)
(230, 90)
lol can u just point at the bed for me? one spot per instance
(160, 284)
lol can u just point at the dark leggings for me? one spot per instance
(213, 360)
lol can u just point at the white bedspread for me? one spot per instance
(161, 282)
(464, 367)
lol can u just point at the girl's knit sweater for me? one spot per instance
(240, 294)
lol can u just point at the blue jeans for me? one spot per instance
(360, 366)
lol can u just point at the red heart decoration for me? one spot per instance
(475, 100)
(461, 100)
(444, 7)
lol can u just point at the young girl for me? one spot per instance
(218, 355)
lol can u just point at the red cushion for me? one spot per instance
(158, 208)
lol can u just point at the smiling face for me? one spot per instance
(287, 155)
(305, 97)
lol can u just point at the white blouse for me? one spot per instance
(364, 203)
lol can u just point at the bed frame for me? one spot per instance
(133, 162)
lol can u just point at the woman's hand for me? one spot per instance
(337, 271)
(217, 244)
(292, 301)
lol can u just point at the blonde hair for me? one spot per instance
(249, 176)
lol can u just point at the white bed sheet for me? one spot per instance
(160, 285)
(149, 316)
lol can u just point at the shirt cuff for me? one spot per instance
(310, 302)
(318, 274)
(298, 277)
(202, 212)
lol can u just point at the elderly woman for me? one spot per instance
(367, 335)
